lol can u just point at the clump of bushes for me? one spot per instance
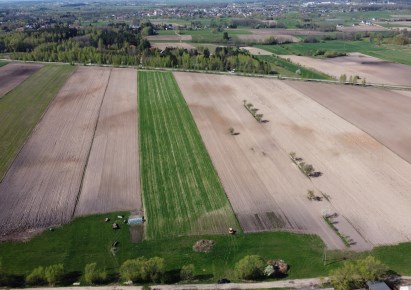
(187, 272)
(50, 275)
(143, 270)
(92, 275)
(254, 267)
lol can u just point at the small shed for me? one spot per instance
(377, 286)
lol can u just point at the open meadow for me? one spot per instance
(372, 69)
(181, 191)
(23, 107)
(13, 74)
(360, 177)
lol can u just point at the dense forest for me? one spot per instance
(119, 44)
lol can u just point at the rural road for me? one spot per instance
(297, 283)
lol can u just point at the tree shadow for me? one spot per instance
(13, 281)
(172, 276)
(70, 277)
(203, 277)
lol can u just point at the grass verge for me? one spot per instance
(22, 108)
(181, 191)
(89, 239)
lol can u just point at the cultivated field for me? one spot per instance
(164, 45)
(174, 37)
(374, 70)
(42, 185)
(22, 108)
(13, 74)
(181, 191)
(283, 31)
(111, 181)
(256, 51)
(383, 114)
(362, 28)
(259, 35)
(364, 179)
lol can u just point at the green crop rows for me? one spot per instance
(182, 193)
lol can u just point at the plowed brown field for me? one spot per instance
(13, 74)
(42, 185)
(369, 186)
(111, 181)
(385, 115)
(374, 70)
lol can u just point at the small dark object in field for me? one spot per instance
(223, 281)
(316, 174)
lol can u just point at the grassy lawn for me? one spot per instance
(182, 193)
(89, 239)
(394, 53)
(22, 108)
(286, 68)
(3, 63)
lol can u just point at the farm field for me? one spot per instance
(42, 185)
(13, 74)
(259, 35)
(256, 51)
(181, 191)
(393, 53)
(111, 180)
(173, 37)
(385, 115)
(164, 45)
(362, 28)
(23, 107)
(374, 70)
(362, 177)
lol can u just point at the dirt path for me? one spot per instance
(111, 181)
(41, 187)
(364, 179)
(12, 74)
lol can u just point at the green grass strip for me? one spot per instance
(22, 108)
(182, 193)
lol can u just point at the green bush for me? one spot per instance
(143, 270)
(94, 276)
(187, 272)
(37, 277)
(250, 267)
(54, 274)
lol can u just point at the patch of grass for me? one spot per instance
(287, 68)
(22, 108)
(390, 52)
(2, 63)
(89, 239)
(181, 191)
(397, 257)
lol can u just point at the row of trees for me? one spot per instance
(224, 59)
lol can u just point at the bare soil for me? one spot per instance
(364, 179)
(175, 37)
(13, 74)
(164, 45)
(385, 115)
(261, 37)
(256, 51)
(374, 70)
(42, 186)
(111, 181)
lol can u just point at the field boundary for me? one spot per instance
(141, 68)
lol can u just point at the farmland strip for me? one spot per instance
(111, 180)
(181, 190)
(22, 108)
(41, 187)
